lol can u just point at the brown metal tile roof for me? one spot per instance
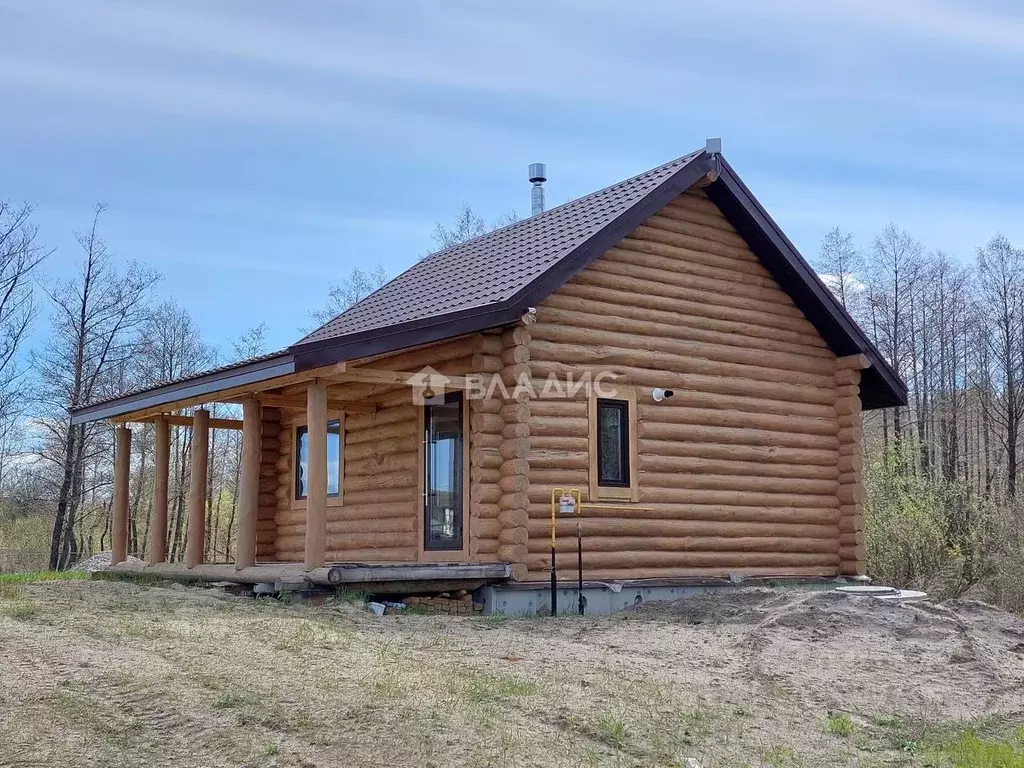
(494, 267)
(489, 282)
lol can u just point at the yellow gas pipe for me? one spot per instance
(574, 504)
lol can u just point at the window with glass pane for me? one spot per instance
(613, 443)
(333, 460)
(443, 479)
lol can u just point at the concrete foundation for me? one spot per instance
(601, 599)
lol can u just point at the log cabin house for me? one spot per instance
(416, 437)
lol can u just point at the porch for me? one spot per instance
(387, 578)
(331, 481)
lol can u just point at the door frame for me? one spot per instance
(442, 555)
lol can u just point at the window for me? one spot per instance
(614, 460)
(333, 460)
(613, 443)
(442, 474)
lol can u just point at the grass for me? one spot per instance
(990, 742)
(332, 682)
(482, 690)
(229, 701)
(22, 610)
(840, 724)
(37, 576)
(612, 731)
(780, 757)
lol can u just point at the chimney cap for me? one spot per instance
(713, 146)
(538, 172)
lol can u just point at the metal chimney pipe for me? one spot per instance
(538, 175)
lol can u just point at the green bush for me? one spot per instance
(922, 532)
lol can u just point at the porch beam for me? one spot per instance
(316, 474)
(299, 402)
(119, 524)
(187, 421)
(196, 539)
(249, 483)
(370, 376)
(161, 468)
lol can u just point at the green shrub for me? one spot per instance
(923, 532)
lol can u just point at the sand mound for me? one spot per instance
(826, 614)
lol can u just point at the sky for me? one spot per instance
(254, 152)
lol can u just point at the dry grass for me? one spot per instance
(109, 674)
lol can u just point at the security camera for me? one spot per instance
(660, 394)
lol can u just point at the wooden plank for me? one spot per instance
(329, 575)
(299, 403)
(196, 539)
(371, 376)
(185, 421)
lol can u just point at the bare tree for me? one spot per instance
(468, 225)
(354, 289)
(93, 337)
(20, 257)
(841, 265)
(1001, 297)
(251, 343)
(893, 269)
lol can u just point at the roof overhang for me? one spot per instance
(880, 386)
(198, 386)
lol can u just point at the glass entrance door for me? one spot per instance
(442, 487)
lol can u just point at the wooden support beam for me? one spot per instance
(299, 402)
(196, 540)
(373, 376)
(316, 474)
(249, 483)
(119, 525)
(158, 525)
(186, 421)
(708, 178)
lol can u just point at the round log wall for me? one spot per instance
(747, 468)
(379, 517)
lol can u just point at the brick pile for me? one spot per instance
(461, 603)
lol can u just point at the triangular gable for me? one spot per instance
(493, 279)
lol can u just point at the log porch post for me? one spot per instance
(161, 462)
(249, 483)
(316, 474)
(119, 525)
(196, 540)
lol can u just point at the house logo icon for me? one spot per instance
(428, 386)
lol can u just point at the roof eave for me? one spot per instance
(881, 386)
(197, 386)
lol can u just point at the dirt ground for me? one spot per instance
(110, 674)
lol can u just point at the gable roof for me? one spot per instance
(494, 279)
(497, 267)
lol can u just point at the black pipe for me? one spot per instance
(579, 561)
(554, 584)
